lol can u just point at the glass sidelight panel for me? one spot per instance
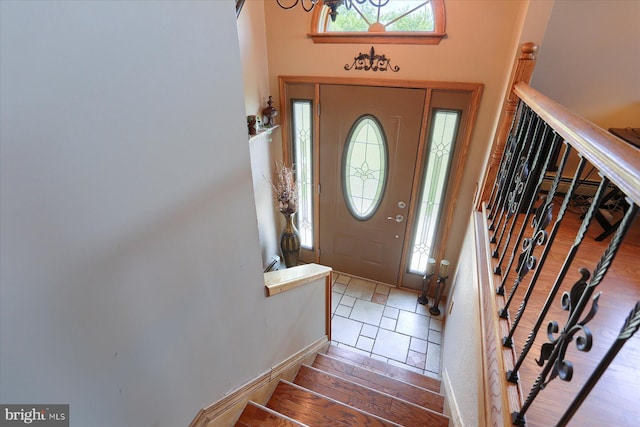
(303, 162)
(444, 129)
(364, 167)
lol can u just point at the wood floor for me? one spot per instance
(615, 401)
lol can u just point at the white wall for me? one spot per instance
(255, 77)
(590, 60)
(253, 51)
(461, 352)
(131, 278)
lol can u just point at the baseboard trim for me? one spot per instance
(450, 398)
(227, 410)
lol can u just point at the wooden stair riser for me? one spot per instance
(367, 378)
(368, 399)
(384, 368)
(317, 410)
(255, 415)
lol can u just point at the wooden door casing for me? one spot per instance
(472, 93)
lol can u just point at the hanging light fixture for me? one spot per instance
(333, 5)
(307, 5)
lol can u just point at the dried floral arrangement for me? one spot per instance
(285, 190)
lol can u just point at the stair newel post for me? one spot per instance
(507, 189)
(552, 354)
(522, 72)
(512, 376)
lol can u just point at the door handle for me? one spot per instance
(397, 218)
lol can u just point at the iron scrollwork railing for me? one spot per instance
(552, 355)
(545, 217)
(540, 130)
(629, 328)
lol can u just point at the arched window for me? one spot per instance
(378, 21)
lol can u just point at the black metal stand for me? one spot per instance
(442, 281)
(426, 286)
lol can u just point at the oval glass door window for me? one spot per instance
(364, 167)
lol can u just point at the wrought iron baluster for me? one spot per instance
(537, 266)
(514, 169)
(512, 376)
(516, 123)
(507, 156)
(520, 192)
(510, 169)
(546, 202)
(630, 327)
(510, 177)
(553, 353)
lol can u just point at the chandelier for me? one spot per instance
(333, 5)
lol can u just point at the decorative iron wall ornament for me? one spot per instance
(371, 61)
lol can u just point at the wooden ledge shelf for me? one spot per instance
(263, 131)
(276, 282)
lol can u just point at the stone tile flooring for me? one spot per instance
(385, 323)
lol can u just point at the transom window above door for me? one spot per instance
(378, 21)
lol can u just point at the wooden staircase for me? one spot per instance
(343, 388)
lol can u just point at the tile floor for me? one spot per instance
(385, 323)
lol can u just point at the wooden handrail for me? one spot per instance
(615, 159)
(499, 399)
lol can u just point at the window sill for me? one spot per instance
(381, 38)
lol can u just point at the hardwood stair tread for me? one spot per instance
(255, 415)
(385, 368)
(316, 410)
(368, 399)
(369, 378)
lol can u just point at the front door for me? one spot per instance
(369, 140)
